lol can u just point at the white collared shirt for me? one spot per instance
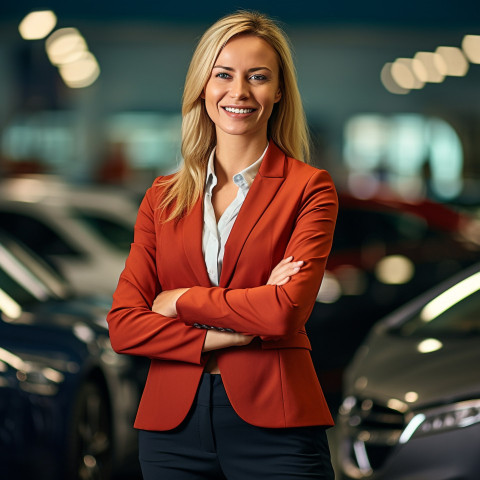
(215, 235)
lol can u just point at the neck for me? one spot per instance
(234, 154)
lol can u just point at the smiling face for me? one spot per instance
(243, 87)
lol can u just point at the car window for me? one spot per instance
(36, 235)
(12, 290)
(115, 233)
(456, 312)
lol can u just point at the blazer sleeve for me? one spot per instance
(270, 311)
(134, 329)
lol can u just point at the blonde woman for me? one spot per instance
(223, 273)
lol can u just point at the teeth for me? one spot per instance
(239, 110)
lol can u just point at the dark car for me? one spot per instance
(385, 252)
(67, 401)
(412, 392)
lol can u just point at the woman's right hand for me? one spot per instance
(284, 271)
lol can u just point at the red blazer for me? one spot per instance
(290, 209)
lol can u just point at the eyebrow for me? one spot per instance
(230, 69)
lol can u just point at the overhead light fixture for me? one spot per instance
(81, 72)
(37, 25)
(65, 45)
(433, 65)
(471, 47)
(388, 81)
(454, 60)
(404, 75)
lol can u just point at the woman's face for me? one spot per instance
(243, 87)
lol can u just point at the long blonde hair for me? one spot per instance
(287, 125)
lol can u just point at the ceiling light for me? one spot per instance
(389, 83)
(37, 24)
(80, 73)
(403, 74)
(471, 47)
(433, 64)
(65, 45)
(455, 61)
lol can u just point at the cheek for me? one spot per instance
(211, 92)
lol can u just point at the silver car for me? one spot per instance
(83, 232)
(411, 409)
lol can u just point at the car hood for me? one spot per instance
(388, 367)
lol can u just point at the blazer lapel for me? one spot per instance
(266, 184)
(192, 243)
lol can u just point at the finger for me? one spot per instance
(288, 269)
(284, 262)
(283, 276)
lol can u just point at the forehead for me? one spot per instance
(248, 50)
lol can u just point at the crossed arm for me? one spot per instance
(144, 323)
(166, 304)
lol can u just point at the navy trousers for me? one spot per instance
(213, 442)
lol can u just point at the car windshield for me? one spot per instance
(456, 312)
(24, 279)
(117, 234)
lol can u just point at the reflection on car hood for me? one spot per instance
(388, 367)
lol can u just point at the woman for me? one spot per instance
(231, 392)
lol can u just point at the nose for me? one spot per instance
(239, 88)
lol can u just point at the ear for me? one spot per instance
(278, 95)
(202, 95)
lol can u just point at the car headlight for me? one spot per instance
(449, 417)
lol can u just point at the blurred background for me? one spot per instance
(90, 100)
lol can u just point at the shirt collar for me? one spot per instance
(243, 179)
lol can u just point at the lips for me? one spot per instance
(238, 110)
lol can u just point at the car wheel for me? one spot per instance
(91, 440)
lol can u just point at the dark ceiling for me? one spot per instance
(401, 13)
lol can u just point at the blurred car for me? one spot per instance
(385, 252)
(67, 401)
(412, 392)
(85, 233)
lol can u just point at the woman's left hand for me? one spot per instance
(166, 302)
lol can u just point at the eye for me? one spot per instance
(222, 75)
(258, 77)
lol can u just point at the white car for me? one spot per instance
(83, 232)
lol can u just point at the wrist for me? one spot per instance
(179, 293)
